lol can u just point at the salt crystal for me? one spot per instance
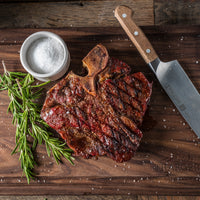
(45, 54)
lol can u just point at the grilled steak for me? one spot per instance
(99, 114)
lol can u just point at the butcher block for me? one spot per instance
(168, 159)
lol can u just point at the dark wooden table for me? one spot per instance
(167, 163)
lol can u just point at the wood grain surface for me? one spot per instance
(71, 13)
(179, 12)
(100, 197)
(25, 13)
(91, 13)
(168, 159)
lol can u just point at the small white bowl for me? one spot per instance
(52, 75)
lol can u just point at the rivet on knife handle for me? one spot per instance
(124, 16)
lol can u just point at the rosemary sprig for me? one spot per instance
(23, 95)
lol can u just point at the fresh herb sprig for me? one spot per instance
(23, 94)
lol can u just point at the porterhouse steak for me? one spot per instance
(99, 114)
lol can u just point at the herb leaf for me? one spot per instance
(23, 95)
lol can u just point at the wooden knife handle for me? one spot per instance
(124, 16)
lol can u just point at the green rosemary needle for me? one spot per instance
(23, 105)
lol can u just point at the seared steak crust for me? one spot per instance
(104, 124)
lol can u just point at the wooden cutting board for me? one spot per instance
(168, 159)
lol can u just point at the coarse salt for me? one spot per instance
(45, 55)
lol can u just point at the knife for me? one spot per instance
(171, 75)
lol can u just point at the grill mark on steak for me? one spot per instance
(105, 124)
(104, 129)
(115, 121)
(124, 95)
(111, 129)
(66, 118)
(121, 101)
(74, 120)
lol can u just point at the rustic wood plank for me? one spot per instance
(168, 159)
(71, 13)
(11, 1)
(71, 197)
(166, 12)
(177, 12)
(168, 198)
(8, 1)
(100, 197)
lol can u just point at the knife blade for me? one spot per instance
(171, 75)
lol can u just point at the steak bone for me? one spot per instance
(95, 61)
